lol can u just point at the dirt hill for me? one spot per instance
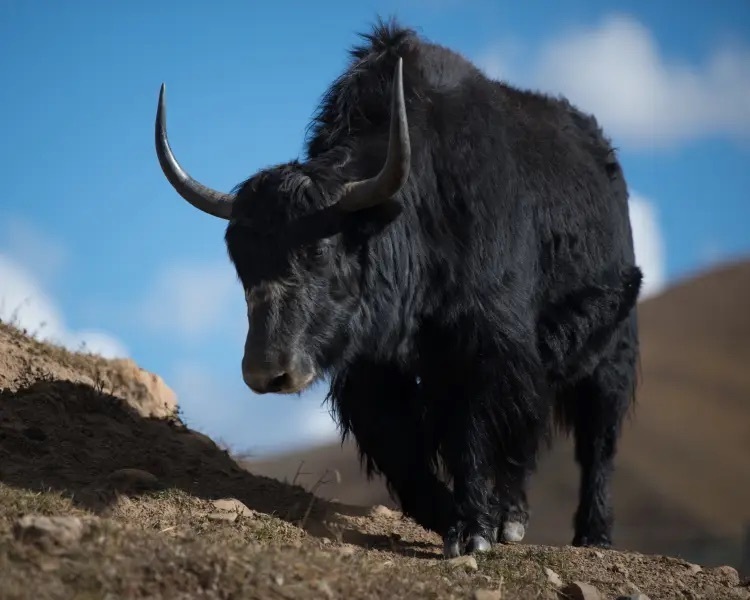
(683, 481)
(105, 493)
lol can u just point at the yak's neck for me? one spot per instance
(391, 286)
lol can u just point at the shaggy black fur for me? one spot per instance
(494, 293)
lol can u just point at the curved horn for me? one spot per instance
(392, 177)
(204, 198)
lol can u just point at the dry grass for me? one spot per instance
(145, 489)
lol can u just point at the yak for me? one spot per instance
(456, 254)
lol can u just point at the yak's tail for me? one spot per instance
(574, 330)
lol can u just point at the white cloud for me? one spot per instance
(28, 259)
(649, 245)
(38, 253)
(24, 301)
(642, 98)
(192, 300)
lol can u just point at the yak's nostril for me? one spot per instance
(278, 383)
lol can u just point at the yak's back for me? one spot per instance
(358, 102)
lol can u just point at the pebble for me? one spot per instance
(553, 577)
(694, 568)
(325, 588)
(234, 506)
(48, 532)
(382, 511)
(223, 516)
(347, 550)
(581, 591)
(467, 562)
(618, 568)
(728, 573)
(487, 595)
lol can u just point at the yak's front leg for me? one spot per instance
(486, 383)
(511, 508)
(380, 405)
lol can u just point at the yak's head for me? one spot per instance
(293, 243)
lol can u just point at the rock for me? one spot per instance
(49, 532)
(347, 550)
(223, 516)
(552, 577)
(581, 591)
(487, 595)
(234, 506)
(598, 554)
(48, 564)
(618, 568)
(132, 480)
(466, 562)
(383, 511)
(694, 568)
(144, 391)
(324, 587)
(727, 574)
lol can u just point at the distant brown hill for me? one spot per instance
(682, 484)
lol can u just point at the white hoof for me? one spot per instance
(513, 531)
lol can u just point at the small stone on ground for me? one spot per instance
(466, 562)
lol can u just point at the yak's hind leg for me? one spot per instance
(487, 388)
(573, 333)
(381, 406)
(595, 407)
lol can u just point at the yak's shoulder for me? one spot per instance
(357, 102)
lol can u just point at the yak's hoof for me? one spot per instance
(599, 541)
(477, 543)
(454, 546)
(513, 531)
(451, 548)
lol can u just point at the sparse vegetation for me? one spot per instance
(141, 501)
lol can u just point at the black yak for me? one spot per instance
(456, 255)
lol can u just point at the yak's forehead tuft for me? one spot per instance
(267, 292)
(281, 193)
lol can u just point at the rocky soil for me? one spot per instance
(106, 493)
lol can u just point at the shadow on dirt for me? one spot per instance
(71, 438)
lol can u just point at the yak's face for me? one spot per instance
(295, 250)
(297, 261)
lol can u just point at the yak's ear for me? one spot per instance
(360, 226)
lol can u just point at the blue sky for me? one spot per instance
(97, 244)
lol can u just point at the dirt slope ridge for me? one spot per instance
(104, 492)
(682, 484)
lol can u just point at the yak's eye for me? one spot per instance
(319, 251)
